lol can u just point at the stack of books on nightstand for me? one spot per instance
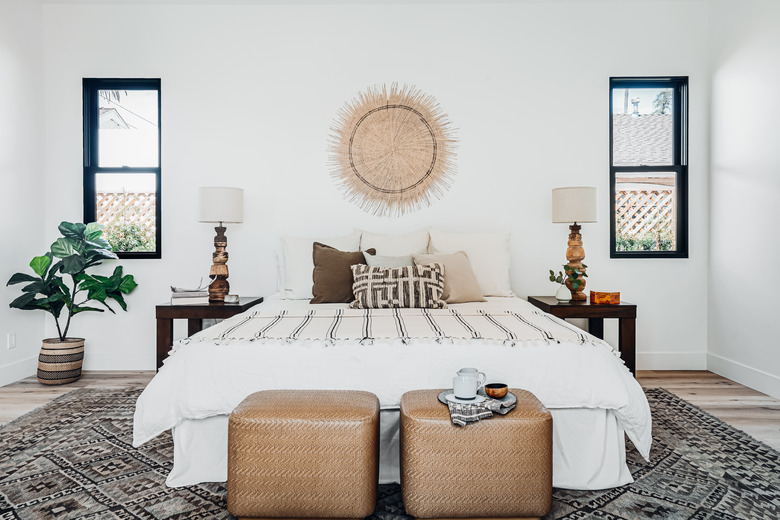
(198, 296)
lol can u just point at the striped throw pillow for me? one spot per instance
(418, 286)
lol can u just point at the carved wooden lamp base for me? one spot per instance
(220, 287)
(575, 254)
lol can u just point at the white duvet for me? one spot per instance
(206, 377)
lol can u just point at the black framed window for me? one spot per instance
(648, 175)
(122, 175)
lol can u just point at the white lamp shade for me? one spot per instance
(574, 205)
(220, 204)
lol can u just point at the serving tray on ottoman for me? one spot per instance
(499, 467)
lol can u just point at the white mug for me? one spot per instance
(473, 372)
(464, 387)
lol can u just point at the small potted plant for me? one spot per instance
(80, 248)
(574, 278)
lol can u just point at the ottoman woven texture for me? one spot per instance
(498, 467)
(303, 454)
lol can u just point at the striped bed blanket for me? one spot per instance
(334, 325)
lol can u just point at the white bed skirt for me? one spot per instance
(589, 450)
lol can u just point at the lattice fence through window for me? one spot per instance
(132, 208)
(640, 211)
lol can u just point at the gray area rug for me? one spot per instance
(73, 458)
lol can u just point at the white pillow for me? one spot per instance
(488, 253)
(412, 243)
(299, 265)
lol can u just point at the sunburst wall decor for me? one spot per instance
(392, 150)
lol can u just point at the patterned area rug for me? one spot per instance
(73, 458)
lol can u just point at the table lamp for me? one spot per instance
(220, 204)
(574, 205)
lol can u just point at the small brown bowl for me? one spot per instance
(496, 390)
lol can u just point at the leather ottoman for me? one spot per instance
(497, 467)
(303, 454)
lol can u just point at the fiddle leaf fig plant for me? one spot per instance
(573, 274)
(80, 248)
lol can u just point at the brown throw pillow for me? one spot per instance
(332, 273)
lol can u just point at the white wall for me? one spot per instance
(249, 92)
(21, 172)
(745, 190)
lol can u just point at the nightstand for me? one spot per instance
(194, 314)
(624, 312)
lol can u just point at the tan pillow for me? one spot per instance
(332, 273)
(460, 283)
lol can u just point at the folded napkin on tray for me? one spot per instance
(463, 414)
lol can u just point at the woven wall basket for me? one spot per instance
(391, 150)
(60, 361)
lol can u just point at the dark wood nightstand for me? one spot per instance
(624, 312)
(194, 314)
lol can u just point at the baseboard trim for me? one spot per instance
(744, 374)
(18, 370)
(671, 360)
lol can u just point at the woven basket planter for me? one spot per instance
(60, 361)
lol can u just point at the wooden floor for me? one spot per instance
(28, 394)
(742, 407)
(751, 411)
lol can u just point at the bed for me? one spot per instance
(289, 343)
(592, 395)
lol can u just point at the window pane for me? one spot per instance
(645, 211)
(642, 126)
(125, 203)
(127, 128)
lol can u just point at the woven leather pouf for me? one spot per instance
(304, 454)
(498, 467)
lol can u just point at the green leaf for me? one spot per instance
(73, 264)
(120, 300)
(56, 303)
(72, 230)
(101, 254)
(65, 247)
(63, 289)
(40, 264)
(105, 304)
(53, 270)
(116, 276)
(575, 284)
(59, 296)
(97, 293)
(77, 310)
(127, 283)
(98, 244)
(21, 277)
(93, 231)
(22, 301)
(38, 286)
(87, 281)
